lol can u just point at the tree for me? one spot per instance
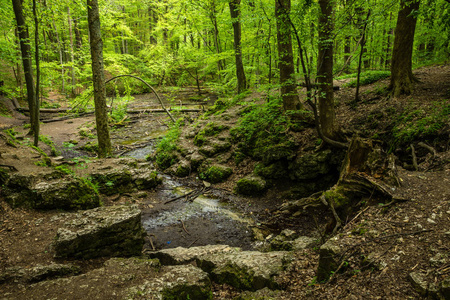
(25, 49)
(235, 19)
(286, 58)
(325, 70)
(98, 78)
(402, 78)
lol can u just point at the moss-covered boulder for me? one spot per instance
(36, 192)
(251, 185)
(273, 153)
(214, 146)
(330, 253)
(215, 173)
(196, 160)
(248, 270)
(311, 166)
(276, 170)
(113, 181)
(182, 169)
(104, 231)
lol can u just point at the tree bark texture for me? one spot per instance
(38, 76)
(98, 78)
(285, 56)
(327, 113)
(25, 49)
(402, 78)
(236, 20)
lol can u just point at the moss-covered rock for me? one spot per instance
(215, 173)
(112, 182)
(104, 231)
(273, 153)
(251, 185)
(183, 169)
(214, 146)
(276, 170)
(196, 160)
(311, 166)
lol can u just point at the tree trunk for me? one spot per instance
(38, 76)
(325, 70)
(402, 78)
(286, 58)
(72, 54)
(235, 18)
(25, 49)
(98, 78)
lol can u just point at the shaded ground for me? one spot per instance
(404, 237)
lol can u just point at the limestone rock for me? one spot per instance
(124, 278)
(303, 242)
(421, 285)
(180, 255)
(311, 166)
(38, 273)
(104, 231)
(251, 185)
(328, 259)
(249, 270)
(50, 193)
(176, 282)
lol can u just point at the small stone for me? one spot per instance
(431, 221)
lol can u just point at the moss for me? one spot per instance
(187, 292)
(338, 197)
(4, 176)
(211, 129)
(251, 186)
(216, 174)
(182, 170)
(276, 170)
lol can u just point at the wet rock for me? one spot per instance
(263, 294)
(249, 270)
(421, 285)
(215, 173)
(145, 179)
(104, 231)
(38, 273)
(47, 192)
(311, 166)
(328, 259)
(180, 255)
(251, 185)
(176, 282)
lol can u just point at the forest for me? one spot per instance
(270, 149)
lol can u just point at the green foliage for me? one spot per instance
(119, 113)
(165, 155)
(216, 174)
(261, 126)
(420, 124)
(64, 169)
(46, 140)
(211, 129)
(367, 77)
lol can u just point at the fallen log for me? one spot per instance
(44, 110)
(158, 110)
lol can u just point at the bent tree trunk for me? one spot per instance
(235, 19)
(402, 78)
(98, 78)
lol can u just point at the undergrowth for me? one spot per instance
(165, 151)
(367, 77)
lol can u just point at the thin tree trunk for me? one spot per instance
(325, 70)
(38, 76)
(361, 54)
(286, 60)
(61, 62)
(72, 54)
(25, 49)
(235, 18)
(98, 78)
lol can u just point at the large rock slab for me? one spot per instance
(50, 192)
(180, 255)
(248, 270)
(38, 273)
(330, 253)
(122, 278)
(104, 231)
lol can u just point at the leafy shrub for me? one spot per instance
(367, 77)
(165, 155)
(420, 124)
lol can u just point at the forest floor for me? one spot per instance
(416, 232)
